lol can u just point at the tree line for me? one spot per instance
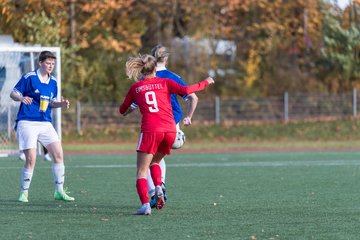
(273, 45)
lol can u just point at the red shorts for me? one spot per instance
(152, 142)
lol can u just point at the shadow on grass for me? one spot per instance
(13, 206)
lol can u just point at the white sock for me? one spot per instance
(26, 176)
(151, 186)
(58, 170)
(163, 170)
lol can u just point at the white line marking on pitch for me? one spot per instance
(309, 163)
(242, 164)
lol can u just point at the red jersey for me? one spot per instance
(152, 95)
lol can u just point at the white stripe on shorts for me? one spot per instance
(140, 140)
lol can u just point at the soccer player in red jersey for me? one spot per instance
(158, 130)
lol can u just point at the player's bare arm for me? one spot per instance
(18, 98)
(193, 101)
(64, 103)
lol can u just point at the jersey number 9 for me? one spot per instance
(150, 98)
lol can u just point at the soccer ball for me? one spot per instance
(179, 140)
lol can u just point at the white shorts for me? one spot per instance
(30, 132)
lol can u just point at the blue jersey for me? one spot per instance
(42, 94)
(176, 108)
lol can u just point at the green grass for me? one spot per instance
(339, 130)
(341, 133)
(206, 145)
(332, 134)
(263, 195)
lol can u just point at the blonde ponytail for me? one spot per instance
(136, 67)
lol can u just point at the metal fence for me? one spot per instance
(225, 110)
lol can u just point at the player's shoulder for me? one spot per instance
(168, 74)
(53, 78)
(29, 74)
(174, 74)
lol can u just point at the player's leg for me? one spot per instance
(27, 138)
(148, 145)
(163, 149)
(22, 156)
(143, 162)
(163, 170)
(47, 156)
(163, 176)
(27, 173)
(156, 175)
(50, 140)
(151, 185)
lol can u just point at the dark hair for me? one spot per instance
(160, 53)
(45, 55)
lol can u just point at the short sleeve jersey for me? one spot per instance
(152, 95)
(30, 85)
(176, 108)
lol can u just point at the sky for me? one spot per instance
(343, 3)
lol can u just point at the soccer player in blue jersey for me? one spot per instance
(37, 92)
(161, 55)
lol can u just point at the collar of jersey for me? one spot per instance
(42, 80)
(160, 68)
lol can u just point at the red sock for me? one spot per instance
(142, 189)
(155, 171)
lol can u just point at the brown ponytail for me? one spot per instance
(160, 53)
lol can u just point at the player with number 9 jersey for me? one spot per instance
(153, 98)
(158, 130)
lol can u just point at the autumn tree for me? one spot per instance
(278, 42)
(106, 33)
(95, 37)
(282, 35)
(340, 59)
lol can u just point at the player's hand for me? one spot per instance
(132, 107)
(129, 110)
(187, 121)
(65, 102)
(210, 80)
(26, 100)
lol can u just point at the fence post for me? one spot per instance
(9, 122)
(286, 106)
(354, 102)
(78, 117)
(217, 110)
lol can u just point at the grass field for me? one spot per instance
(244, 195)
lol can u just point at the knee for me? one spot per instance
(57, 156)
